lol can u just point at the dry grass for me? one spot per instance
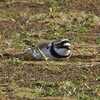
(77, 78)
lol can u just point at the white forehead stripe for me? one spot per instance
(64, 40)
(67, 44)
(61, 42)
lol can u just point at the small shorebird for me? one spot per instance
(53, 50)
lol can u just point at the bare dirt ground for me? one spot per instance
(76, 78)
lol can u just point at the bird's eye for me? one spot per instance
(47, 47)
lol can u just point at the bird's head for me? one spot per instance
(62, 47)
(62, 44)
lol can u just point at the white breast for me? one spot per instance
(63, 52)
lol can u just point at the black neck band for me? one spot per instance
(55, 54)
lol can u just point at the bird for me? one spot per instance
(56, 49)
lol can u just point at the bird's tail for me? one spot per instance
(26, 55)
(10, 55)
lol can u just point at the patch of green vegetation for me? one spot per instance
(14, 61)
(82, 29)
(98, 40)
(55, 22)
(48, 88)
(23, 92)
(1, 92)
(83, 96)
(98, 78)
(65, 88)
(70, 22)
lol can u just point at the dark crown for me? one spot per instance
(63, 43)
